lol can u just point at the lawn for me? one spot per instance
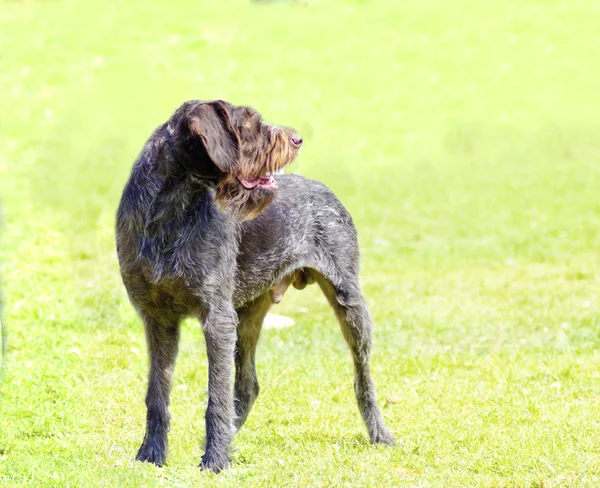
(463, 136)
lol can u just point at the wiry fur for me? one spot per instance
(185, 250)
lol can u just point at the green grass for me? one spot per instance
(463, 137)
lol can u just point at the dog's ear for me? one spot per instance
(211, 122)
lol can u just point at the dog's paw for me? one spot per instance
(383, 436)
(214, 463)
(152, 452)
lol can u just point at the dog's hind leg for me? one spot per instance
(246, 387)
(355, 320)
(162, 337)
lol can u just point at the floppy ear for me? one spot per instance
(210, 121)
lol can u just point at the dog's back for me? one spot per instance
(306, 226)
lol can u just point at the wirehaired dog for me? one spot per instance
(205, 230)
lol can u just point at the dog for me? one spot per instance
(205, 230)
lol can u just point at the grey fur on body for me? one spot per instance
(194, 240)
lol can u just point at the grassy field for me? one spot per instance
(463, 136)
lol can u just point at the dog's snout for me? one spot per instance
(296, 140)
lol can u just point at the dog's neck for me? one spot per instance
(165, 191)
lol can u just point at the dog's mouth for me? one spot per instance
(267, 181)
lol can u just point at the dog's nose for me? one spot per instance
(296, 140)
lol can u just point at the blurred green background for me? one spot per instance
(462, 136)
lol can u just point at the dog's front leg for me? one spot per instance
(162, 337)
(220, 335)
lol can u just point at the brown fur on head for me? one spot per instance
(236, 149)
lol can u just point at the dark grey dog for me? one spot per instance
(204, 230)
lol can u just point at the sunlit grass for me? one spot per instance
(463, 137)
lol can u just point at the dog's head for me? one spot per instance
(235, 149)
